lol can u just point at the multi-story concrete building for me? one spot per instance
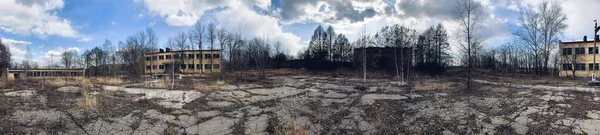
(183, 62)
(577, 58)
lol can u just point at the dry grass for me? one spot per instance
(428, 86)
(3, 84)
(60, 82)
(89, 100)
(296, 129)
(163, 83)
(110, 80)
(208, 86)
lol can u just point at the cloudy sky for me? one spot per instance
(49, 27)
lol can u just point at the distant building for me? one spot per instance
(578, 56)
(16, 74)
(383, 57)
(183, 62)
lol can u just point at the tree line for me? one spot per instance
(532, 51)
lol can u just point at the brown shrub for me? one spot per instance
(426, 86)
(296, 129)
(207, 86)
(89, 100)
(60, 82)
(110, 80)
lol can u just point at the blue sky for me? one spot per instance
(49, 27)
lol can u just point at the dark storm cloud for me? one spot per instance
(343, 9)
(292, 9)
(431, 8)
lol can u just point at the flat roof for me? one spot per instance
(575, 42)
(77, 69)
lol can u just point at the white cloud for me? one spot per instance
(17, 54)
(84, 39)
(140, 15)
(257, 25)
(112, 23)
(152, 23)
(12, 42)
(53, 56)
(42, 46)
(76, 49)
(188, 12)
(181, 12)
(37, 17)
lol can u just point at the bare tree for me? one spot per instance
(191, 46)
(363, 41)
(171, 44)
(27, 63)
(181, 45)
(553, 23)
(468, 14)
(223, 39)
(199, 31)
(4, 59)
(330, 42)
(134, 49)
(212, 37)
(68, 58)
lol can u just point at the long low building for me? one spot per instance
(15, 74)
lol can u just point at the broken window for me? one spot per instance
(591, 50)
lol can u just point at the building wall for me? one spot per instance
(153, 66)
(587, 58)
(45, 73)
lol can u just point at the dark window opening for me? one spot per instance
(567, 67)
(592, 67)
(591, 50)
(567, 51)
(215, 55)
(580, 66)
(579, 50)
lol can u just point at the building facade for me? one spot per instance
(577, 58)
(16, 74)
(183, 62)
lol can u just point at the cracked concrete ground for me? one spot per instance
(316, 105)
